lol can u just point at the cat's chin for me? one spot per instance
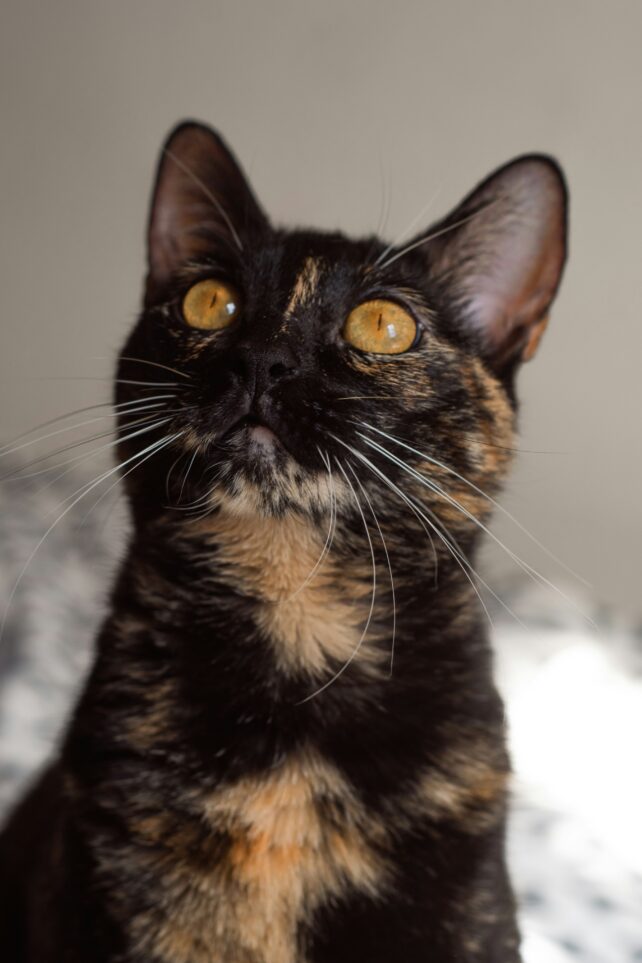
(260, 477)
(263, 438)
(254, 440)
(257, 453)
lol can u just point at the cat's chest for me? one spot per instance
(241, 879)
(310, 609)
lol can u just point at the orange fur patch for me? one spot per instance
(304, 286)
(308, 618)
(299, 837)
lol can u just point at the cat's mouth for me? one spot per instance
(256, 432)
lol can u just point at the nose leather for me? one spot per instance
(261, 366)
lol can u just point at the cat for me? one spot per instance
(290, 748)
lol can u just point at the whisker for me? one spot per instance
(385, 477)
(197, 503)
(146, 384)
(19, 476)
(153, 364)
(475, 488)
(170, 471)
(117, 381)
(206, 500)
(434, 236)
(432, 486)
(19, 472)
(85, 456)
(108, 513)
(208, 194)
(458, 555)
(141, 431)
(163, 443)
(365, 398)
(386, 197)
(77, 496)
(69, 414)
(202, 500)
(388, 562)
(416, 219)
(329, 537)
(189, 467)
(384, 213)
(355, 651)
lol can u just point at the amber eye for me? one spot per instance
(380, 327)
(211, 305)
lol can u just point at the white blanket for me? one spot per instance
(573, 694)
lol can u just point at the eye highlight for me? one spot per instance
(380, 327)
(211, 305)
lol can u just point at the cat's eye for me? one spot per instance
(211, 305)
(380, 327)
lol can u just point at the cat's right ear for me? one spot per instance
(201, 201)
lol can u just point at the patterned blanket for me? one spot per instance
(572, 685)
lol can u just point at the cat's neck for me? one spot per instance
(239, 638)
(311, 596)
(318, 594)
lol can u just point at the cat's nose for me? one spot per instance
(260, 366)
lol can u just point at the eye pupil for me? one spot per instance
(380, 327)
(210, 305)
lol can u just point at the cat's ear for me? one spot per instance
(501, 254)
(201, 200)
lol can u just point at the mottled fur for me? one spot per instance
(248, 776)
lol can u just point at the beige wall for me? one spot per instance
(326, 104)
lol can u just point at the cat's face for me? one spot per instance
(295, 366)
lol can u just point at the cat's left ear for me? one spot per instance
(201, 202)
(501, 253)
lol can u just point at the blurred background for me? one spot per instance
(346, 113)
(339, 110)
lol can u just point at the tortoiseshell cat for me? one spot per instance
(290, 748)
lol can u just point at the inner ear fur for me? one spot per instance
(501, 255)
(201, 201)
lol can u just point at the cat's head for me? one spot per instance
(271, 370)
